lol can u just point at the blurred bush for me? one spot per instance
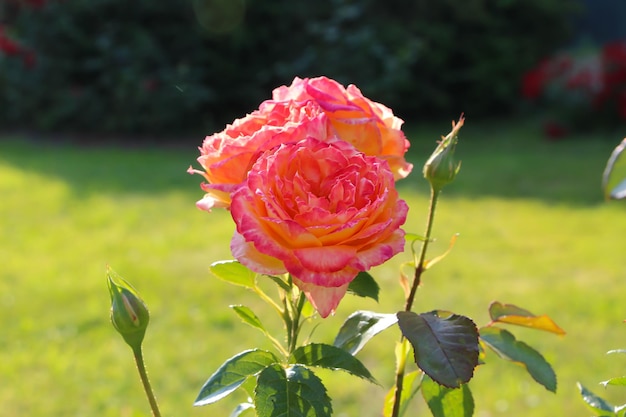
(579, 88)
(146, 66)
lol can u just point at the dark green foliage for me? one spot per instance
(295, 391)
(192, 66)
(445, 345)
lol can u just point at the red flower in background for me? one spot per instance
(35, 4)
(554, 131)
(621, 104)
(11, 48)
(7, 45)
(614, 75)
(29, 59)
(533, 83)
(580, 85)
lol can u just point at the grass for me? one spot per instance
(534, 231)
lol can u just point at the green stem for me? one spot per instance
(141, 367)
(299, 300)
(277, 344)
(268, 300)
(419, 270)
(419, 265)
(289, 323)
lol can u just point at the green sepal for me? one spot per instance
(365, 286)
(292, 392)
(442, 167)
(411, 237)
(280, 282)
(432, 262)
(233, 373)
(330, 357)
(129, 313)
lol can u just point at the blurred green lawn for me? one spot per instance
(534, 231)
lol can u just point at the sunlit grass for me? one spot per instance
(534, 231)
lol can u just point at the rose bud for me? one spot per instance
(129, 313)
(442, 166)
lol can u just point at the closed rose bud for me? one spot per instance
(442, 166)
(129, 313)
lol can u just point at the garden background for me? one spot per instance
(103, 104)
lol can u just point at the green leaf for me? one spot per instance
(512, 314)
(445, 345)
(241, 409)
(233, 373)
(233, 272)
(360, 327)
(620, 380)
(282, 284)
(330, 357)
(507, 347)
(447, 402)
(291, 392)
(248, 317)
(248, 387)
(409, 389)
(364, 285)
(410, 237)
(598, 405)
(614, 176)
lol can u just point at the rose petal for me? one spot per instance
(324, 299)
(369, 126)
(324, 210)
(325, 259)
(246, 253)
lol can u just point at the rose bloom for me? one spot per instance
(322, 212)
(227, 156)
(371, 127)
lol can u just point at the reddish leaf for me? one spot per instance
(512, 314)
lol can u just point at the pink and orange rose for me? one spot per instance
(369, 126)
(309, 178)
(227, 156)
(320, 211)
(318, 107)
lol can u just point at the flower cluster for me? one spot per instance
(583, 86)
(309, 178)
(9, 46)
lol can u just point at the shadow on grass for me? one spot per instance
(105, 168)
(498, 160)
